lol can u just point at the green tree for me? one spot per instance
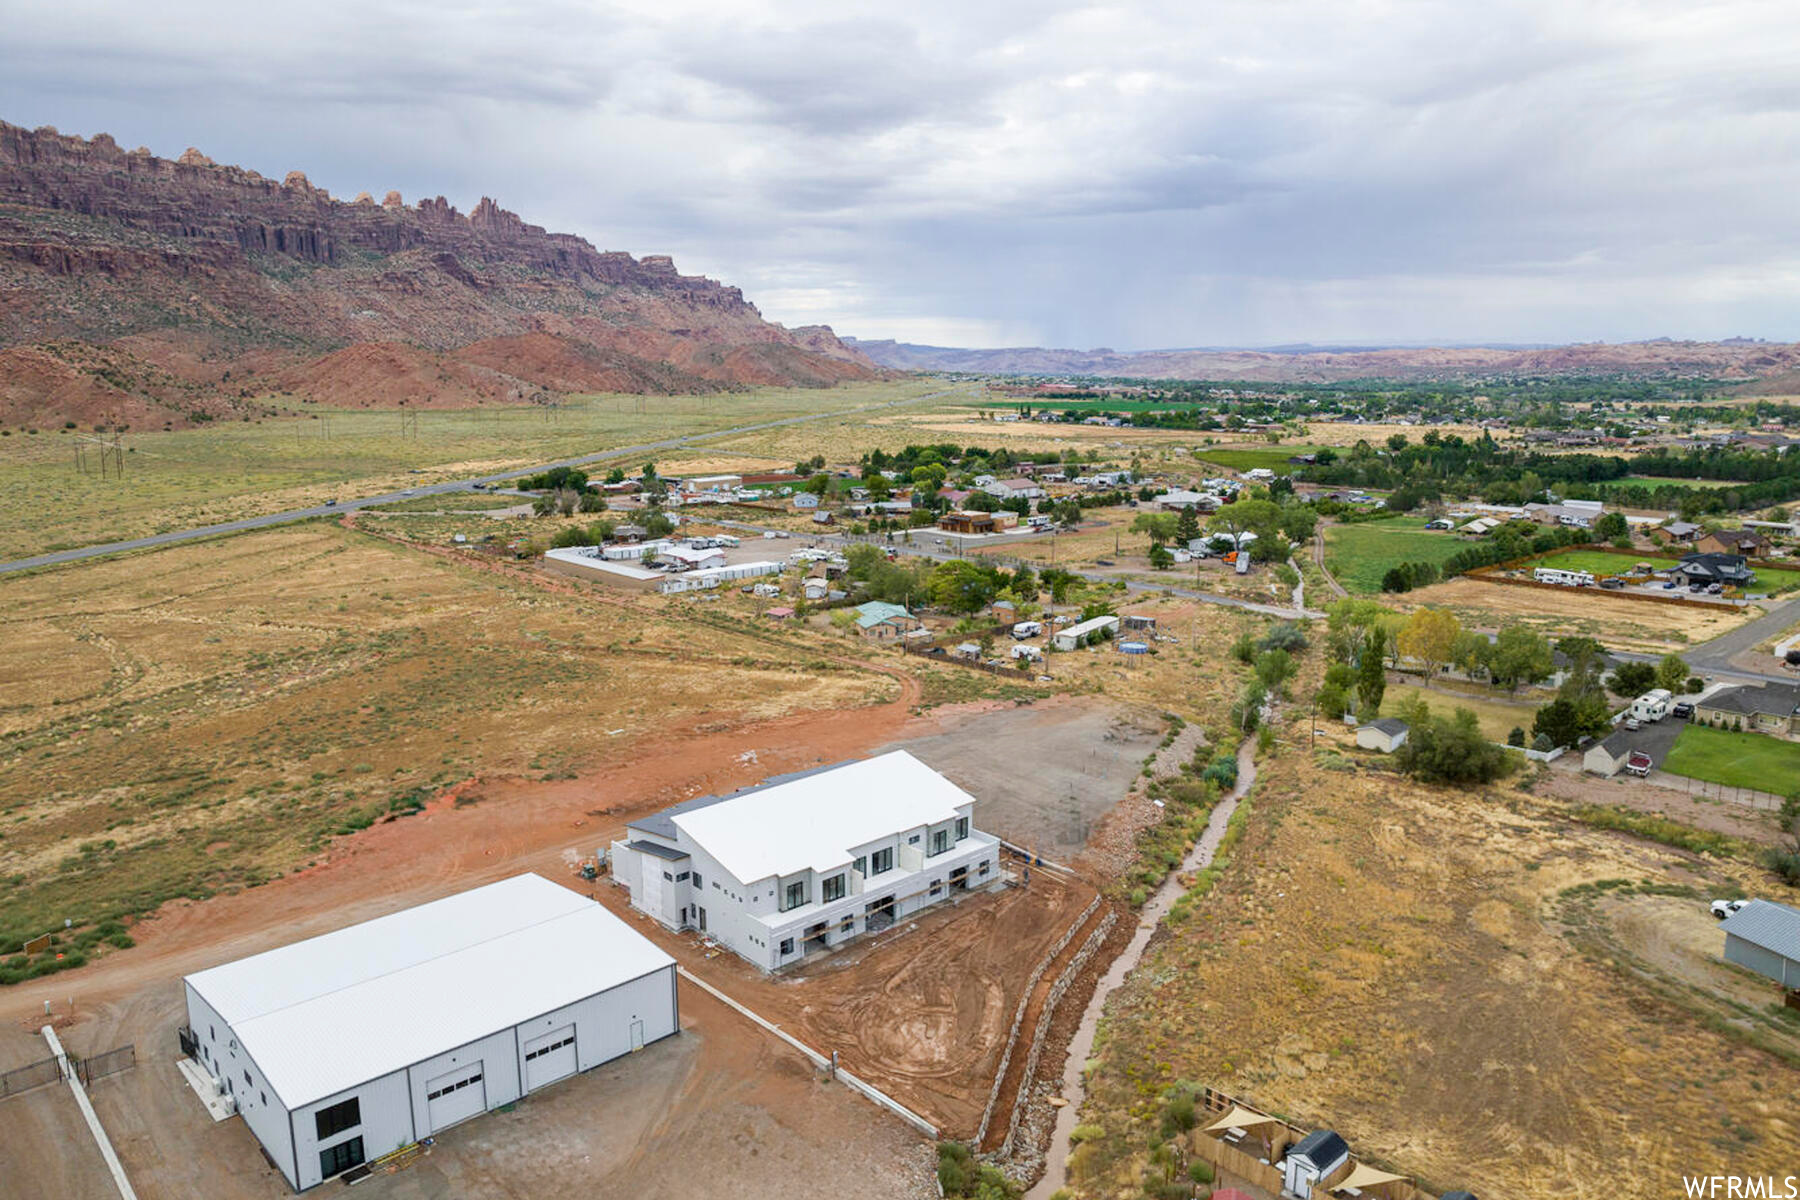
(1160, 556)
(1371, 677)
(1520, 655)
(1450, 751)
(961, 586)
(658, 525)
(1610, 526)
(1672, 673)
(1631, 679)
(1160, 527)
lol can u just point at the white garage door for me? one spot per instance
(549, 1058)
(454, 1097)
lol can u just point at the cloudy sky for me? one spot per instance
(1209, 172)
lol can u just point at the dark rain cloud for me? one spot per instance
(1131, 174)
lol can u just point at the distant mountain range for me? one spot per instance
(166, 292)
(1737, 359)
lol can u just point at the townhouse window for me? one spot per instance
(862, 865)
(881, 861)
(787, 945)
(794, 896)
(668, 876)
(940, 841)
(682, 877)
(832, 889)
(697, 882)
(962, 828)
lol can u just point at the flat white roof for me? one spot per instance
(815, 821)
(602, 565)
(1088, 626)
(321, 1016)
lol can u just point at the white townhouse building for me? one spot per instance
(809, 861)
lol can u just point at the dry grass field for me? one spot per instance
(176, 480)
(1422, 970)
(1617, 622)
(210, 716)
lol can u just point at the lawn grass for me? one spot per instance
(1359, 555)
(1772, 580)
(1724, 756)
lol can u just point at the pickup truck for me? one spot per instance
(1638, 763)
(1725, 908)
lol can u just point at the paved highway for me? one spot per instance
(433, 489)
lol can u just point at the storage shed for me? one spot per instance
(1606, 758)
(1765, 937)
(345, 1047)
(1076, 636)
(1386, 734)
(1310, 1160)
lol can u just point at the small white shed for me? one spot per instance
(1386, 734)
(1311, 1159)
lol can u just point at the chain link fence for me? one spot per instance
(24, 1078)
(1747, 797)
(99, 1066)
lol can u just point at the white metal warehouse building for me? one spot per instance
(345, 1047)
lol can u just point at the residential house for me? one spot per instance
(881, 621)
(807, 862)
(806, 500)
(1017, 488)
(1676, 531)
(1746, 543)
(1728, 569)
(1770, 708)
(1076, 636)
(1177, 499)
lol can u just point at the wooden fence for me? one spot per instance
(921, 647)
(1255, 1170)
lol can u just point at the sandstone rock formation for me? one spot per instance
(184, 290)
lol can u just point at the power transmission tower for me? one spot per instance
(409, 422)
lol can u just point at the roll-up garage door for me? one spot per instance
(456, 1096)
(549, 1058)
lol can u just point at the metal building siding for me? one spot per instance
(386, 1124)
(1763, 962)
(498, 1054)
(268, 1122)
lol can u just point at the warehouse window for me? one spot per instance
(345, 1114)
(543, 1050)
(249, 1080)
(454, 1087)
(340, 1157)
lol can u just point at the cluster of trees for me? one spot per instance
(1271, 659)
(957, 586)
(1404, 577)
(1511, 541)
(1449, 749)
(1420, 472)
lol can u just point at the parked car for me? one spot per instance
(331, 504)
(1725, 908)
(1683, 711)
(1103, 562)
(1633, 724)
(1671, 585)
(1612, 582)
(1713, 589)
(1638, 763)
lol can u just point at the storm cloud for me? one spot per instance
(1135, 175)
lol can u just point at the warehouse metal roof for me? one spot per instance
(1775, 927)
(814, 821)
(321, 1016)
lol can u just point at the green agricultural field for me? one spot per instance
(1772, 580)
(1724, 756)
(1359, 555)
(179, 479)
